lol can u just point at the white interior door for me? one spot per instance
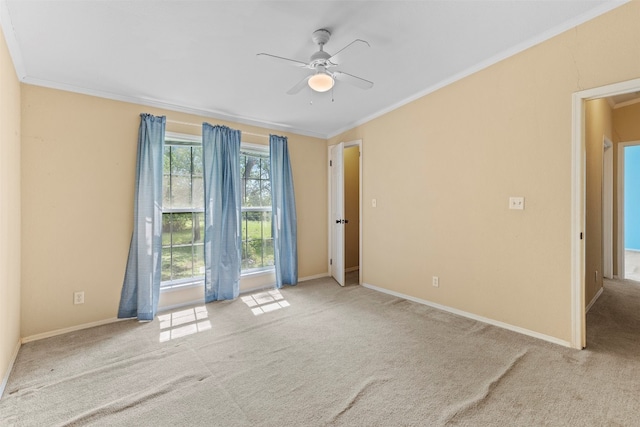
(337, 212)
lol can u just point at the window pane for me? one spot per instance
(252, 169)
(166, 161)
(166, 264)
(266, 225)
(265, 194)
(197, 160)
(252, 192)
(244, 226)
(265, 169)
(180, 191)
(198, 260)
(257, 247)
(182, 267)
(268, 252)
(197, 188)
(182, 228)
(245, 257)
(198, 227)
(166, 180)
(181, 160)
(166, 192)
(166, 230)
(181, 177)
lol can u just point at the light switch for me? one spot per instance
(516, 203)
(374, 203)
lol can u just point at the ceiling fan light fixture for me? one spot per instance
(321, 82)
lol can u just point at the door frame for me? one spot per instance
(578, 197)
(355, 142)
(607, 208)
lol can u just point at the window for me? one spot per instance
(183, 210)
(257, 242)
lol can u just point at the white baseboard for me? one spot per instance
(593, 301)
(315, 276)
(70, 329)
(493, 322)
(14, 356)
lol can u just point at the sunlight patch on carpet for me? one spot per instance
(265, 302)
(184, 322)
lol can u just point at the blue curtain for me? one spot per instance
(222, 210)
(141, 287)
(284, 223)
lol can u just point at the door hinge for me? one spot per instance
(330, 163)
(331, 262)
(581, 236)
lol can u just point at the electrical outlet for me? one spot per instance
(78, 297)
(435, 281)
(516, 203)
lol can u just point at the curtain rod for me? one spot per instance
(176, 122)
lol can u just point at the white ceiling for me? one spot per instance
(200, 56)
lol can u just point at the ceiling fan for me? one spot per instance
(321, 62)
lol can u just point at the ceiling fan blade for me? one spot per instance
(353, 80)
(299, 86)
(282, 60)
(355, 47)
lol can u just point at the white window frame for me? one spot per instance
(194, 280)
(199, 280)
(263, 150)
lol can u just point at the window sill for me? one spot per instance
(249, 274)
(181, 286)
(258, 273)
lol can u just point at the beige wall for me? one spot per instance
(598, 123)
(443, 167)
(9, 211)
(78, 168)
(352, 206)
(626, 123)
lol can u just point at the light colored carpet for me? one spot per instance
(318, 354)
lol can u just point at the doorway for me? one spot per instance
(578, 205)
(345, 206)
(629, 210)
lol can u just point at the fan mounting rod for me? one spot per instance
(321, 37)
